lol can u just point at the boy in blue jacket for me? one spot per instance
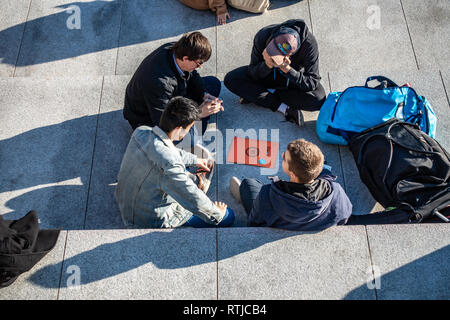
(310, 201)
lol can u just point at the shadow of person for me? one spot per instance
(165, 249)
(49, 38)
(423, 278)
(52, 153)
(101, 25)
(62, 35)
(52, 170)
(64, 207)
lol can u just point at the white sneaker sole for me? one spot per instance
(235, 183)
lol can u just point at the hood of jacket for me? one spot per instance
(288, 205)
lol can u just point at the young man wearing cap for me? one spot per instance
(283, 74)
(167, 72)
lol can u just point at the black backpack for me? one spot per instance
(403, 168)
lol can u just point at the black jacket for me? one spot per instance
(304, 72)
(22, 245)
(154, 83)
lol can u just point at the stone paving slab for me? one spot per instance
(412, 260)
(46, 145)
(429, 26)
(351, 37)
(141, 264)
(401, 261)
(113, 135)
(235, 39)
(42, 281)
(146, 25)
(445, 75)
(49, 47)
(12, 23)
(263, 263)
(428, 84)
(263, 124)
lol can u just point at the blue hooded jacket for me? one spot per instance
(277, 209)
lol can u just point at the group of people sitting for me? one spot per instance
(166, 96)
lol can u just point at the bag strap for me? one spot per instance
(385, 82)
(347, 135)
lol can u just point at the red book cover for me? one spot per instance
(253, 152)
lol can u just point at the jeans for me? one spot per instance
(240, 83)
(196, 222)
(249, 191)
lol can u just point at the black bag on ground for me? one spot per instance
(22, 245)
(403, 168)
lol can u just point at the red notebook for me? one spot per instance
(253, 152)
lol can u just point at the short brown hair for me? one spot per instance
(306, 160)
(194, 45)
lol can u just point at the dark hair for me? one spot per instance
(179, 111)
(306, 160)
(194, 45)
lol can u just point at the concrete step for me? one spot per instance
(349, 262)
(43, 38)
(62, 141)
(63, 137)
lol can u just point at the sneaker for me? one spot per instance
(235, 183)
(243, 101)
(295, 116)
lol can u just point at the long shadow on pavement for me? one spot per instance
(180, 248)
(49, 38)
(48, 169)
(424, 278)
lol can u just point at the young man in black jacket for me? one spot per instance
(283, 74)
(167, 72)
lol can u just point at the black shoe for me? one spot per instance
(243, 101)
(295, 116)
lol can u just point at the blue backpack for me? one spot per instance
(345, 114)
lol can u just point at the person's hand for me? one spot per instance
(286, 65)
(203, 164)
(222, 18)
(210, 107)
(222, 206)
(268, 59)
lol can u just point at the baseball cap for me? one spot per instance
(285, 42)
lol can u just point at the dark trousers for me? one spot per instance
(212, 86)
(239, 82)
(249, 191)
